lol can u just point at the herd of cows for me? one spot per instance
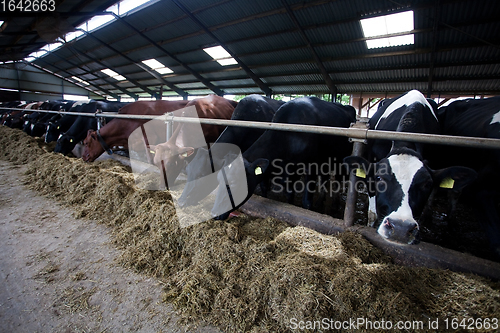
(407, 175)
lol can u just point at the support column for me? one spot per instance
(352, 195)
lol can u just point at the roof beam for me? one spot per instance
(252, 75)
(322, 69)
(206, 82)
(146, 89)
(65, 79)
(87, 72)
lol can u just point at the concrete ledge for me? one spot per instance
(422, 254)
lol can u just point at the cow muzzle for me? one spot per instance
(400, 231)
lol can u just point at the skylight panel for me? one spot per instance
(226, 62)
(113, 9)
(98, 21)
(153, 63)
(113, 74)
(72, 35)
(128, 5)
(52, 47)
(164, 70)
(76, 78)
(221, 55)
(382, 26)
(34, 55)
(157, 66)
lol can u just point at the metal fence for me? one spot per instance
(353, 133)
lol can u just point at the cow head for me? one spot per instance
(92, 149)
(198, 180)
(401, 184)
(231, 189)
(170, 158)
(53, 130)
(65, 144)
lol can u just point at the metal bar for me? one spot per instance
(170, 127)
(352, 193)
(355, 133)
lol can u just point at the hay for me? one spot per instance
(256, 275)
(75, 299)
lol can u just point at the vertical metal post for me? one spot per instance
(357, 150)
(170, 126)
(100, 120)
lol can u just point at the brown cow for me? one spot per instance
(117, 131)
(172, 156)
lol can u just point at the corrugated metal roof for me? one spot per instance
(265, 39)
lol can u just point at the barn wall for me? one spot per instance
(35, 84)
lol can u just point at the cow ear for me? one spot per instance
(359, 165)
(259, 166)
(186, 152)
(455, 177)
(363, 170)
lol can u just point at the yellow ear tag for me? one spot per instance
(360, 173)
(71, 140)
(58, 127)
(184, 155)
(447, 183)
(258, 171)
(152, 152)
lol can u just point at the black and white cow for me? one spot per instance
(476, 118)
(400, 183)
(287, 148)
(55, 128)
(250, 108)
(38, 128)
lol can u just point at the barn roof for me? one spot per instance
(278, 47)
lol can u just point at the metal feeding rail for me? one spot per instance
(353, 133)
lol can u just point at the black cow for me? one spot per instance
(78, 130)
(476, 118)
(250, 108)
(276, 148)
(400, 183)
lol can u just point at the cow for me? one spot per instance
(55, 128)
(475, 118)
(14, 119)
(400, 182)
(172, 156)
(78, 130)
(38, 127)
(117, 131)
(284, 147)
(30, 117)
(250, 108)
